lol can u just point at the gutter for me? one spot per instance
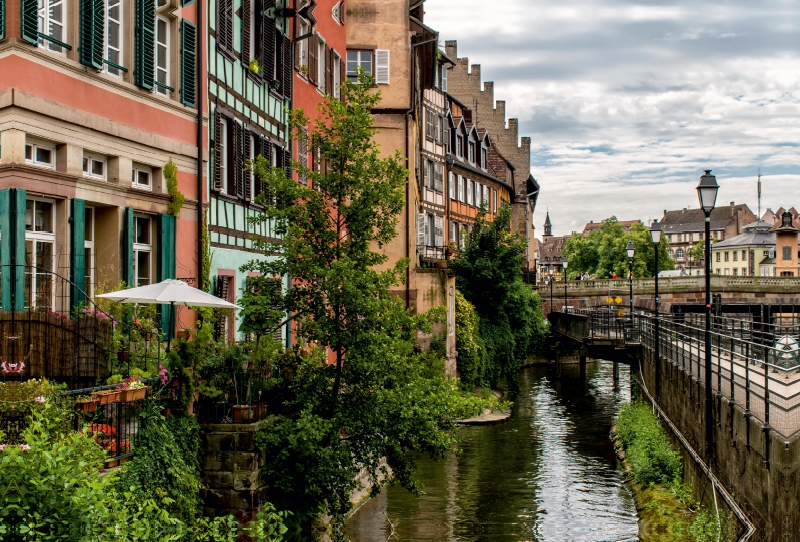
(202, 76)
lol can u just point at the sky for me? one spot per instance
(626, 103)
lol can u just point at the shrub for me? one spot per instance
(650, 452)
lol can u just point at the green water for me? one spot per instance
(548, 474)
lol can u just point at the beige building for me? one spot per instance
(748, 254)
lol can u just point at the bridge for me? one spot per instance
(751, 443)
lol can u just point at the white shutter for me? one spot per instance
(470, 193)
(428, 232)
(444, 78)
(459, 189)
(453, 233)
(422, 220)
(451, 185)
(486, 196)
(439, 221)
(382, 66)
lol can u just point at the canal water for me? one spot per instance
(548, 474)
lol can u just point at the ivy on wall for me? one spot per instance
(171, 176)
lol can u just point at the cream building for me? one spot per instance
(747, 254)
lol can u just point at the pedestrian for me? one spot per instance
(614, 275)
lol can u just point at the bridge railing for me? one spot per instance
(753, 365)
(719, 283)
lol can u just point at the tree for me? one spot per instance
(603, 251)
(356, 390)
(489, 274)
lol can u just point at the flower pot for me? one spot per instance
(110, 464)
(259, 412)
(108, 396)
(441, 265)
(128, 396)
(124, 459)
(87, 406)
(242, 414)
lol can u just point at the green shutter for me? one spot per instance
(188, 63)
(2, 19)
(12, 249)
(29, 20)
(77, 251)
(145, 30)
(92, 33)
(127, 246)
(166, 268)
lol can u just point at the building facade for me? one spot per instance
(95, 101)
(786, 256)
(748, 254)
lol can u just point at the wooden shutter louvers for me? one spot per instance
(217, 150)
(225, 25)
(188, 63)
(247, 144)
(267, 59)
(90, 53)
(246, 30)
(238, 159)
(29, 21)
(145, 30)
(286, 77)
(313, 50)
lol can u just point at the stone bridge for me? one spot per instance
(673, 292)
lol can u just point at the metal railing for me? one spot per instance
(692, 283)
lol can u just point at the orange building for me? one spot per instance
(95, 100)
(786, 233)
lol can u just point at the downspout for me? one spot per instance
(201, 83)
(409, 113)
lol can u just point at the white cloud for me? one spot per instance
(627, 104)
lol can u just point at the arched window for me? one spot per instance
(679, 253)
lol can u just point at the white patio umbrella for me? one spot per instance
(169, 292)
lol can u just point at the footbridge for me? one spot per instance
(751, 443)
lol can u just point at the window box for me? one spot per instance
(128, 395)
(107, 397)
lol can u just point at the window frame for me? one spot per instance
(359, 63)
(35, 238)
(89, 158)
(141, 168)
(43, 9)
(336, 92)
(143, 248)
(89, 253)
(107, 48)
(36, 144)
(156, 68)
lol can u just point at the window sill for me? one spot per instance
(94, 177)
(142, 188)
(42, 166)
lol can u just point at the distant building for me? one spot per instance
(748, 254)
(684, 228)
(785, 233)
(594, 226)
(773, 218)
(551, 251)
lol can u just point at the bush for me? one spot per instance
(469, 345)
(650, 452)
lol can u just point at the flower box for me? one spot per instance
(259, 412)
(128, 395)
(110, 464)
(87, 406)
(108, 396)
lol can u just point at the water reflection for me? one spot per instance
(547, 475)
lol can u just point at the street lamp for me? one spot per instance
(565, 263)
(655, 236)
(707, 194)
(550, 280)
(631, 250)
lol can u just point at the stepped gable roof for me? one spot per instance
(694, 219)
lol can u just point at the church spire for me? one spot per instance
(548, 227)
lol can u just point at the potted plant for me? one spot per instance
(441, 264)
(106, 397)
(133, 390)
(86, 403)
(241, 413)
(255, 67)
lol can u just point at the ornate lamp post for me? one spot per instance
(655, 236)
(550, 281)
(631, 250)
(565, 263)
(707, 194)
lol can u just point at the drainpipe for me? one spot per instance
(201, 83)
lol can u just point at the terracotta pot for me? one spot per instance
(87, 406)
(110, 464)
(259, 412)
(128, 396)
(242, 414)
(441, 265)
(108, 396)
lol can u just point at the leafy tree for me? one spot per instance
(488, 273)
(357, 391)
(603, 251)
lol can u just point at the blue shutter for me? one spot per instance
(166, 268)
(77, 251)
(12, 249)
(92, 33)
(188, 63)
(128, 234)
(145, 16)
(29, 20)
(2, 19)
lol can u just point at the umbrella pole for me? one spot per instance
(169, 331)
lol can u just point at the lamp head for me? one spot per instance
(565, 263)
(655, 232)
(707, 191)
(630, 249)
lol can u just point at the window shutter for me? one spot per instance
(90, 53)
(342, 76)
(246, 30)
(188, 63)
(451, 186)
(77, 251)
(286, 77)
(217, 151)
(328, 70)
(439, 221)
(166, 268)
(2, 19)
(382, 66)
(12, 249)
(127, 246)
(225, 25)
(302, 156)
(438, 177)
(422, 220)
(29, 20)
(287, 162)
(145, 43)
(267, 44)
(238, 159)
(247, 143)
(313, 48)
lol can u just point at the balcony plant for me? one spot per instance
(86, 403)
(132, 390)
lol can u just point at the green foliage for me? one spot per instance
(377, 398)
(261, 301)
(649, 450)
(171, 175)
(469, 345)
(489, 274)
(603, 251)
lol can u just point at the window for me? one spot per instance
(478, 191)
(471, 150)
(719, 257)
(143, 250)
(470, 193)
(429, 129)
(444, 79)
(495, 201)
(679, 253)
(459, 188)
(439, 129)
(113, 36)
(142, 177)
(484, 158)
(302, 50)
(224, 25)
(40, 154)
(356, 60)
(322, 58)
(453, 233)
(671, 253)
(40, 240)
(460, 146)
(680, 238)
(691, 236)
(744, 255)
(735, 256)
(727, 272)
(744, 271)
(702, 236)
(222, 154)
(787, 253)
(735, 271)
(337, 75)
(94, 166)
(451, 185)
(727, 256)
(162, 56)
(438, 176)
(88, 245)
(53, 23)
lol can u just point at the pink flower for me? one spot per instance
(24, 447)
(3, 447)
(40, 399)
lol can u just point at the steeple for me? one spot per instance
(548, 228)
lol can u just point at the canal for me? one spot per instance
(548, 474)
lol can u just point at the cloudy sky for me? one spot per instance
(627, 102)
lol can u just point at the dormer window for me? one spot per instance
(460, 146)
(472, 153)
(484, 158)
